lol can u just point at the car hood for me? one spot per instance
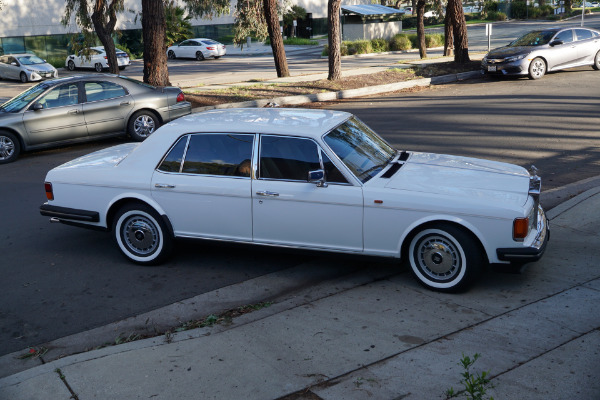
(508, 51)
(40, 67)
(469, 178)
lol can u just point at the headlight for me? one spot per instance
(515, 58)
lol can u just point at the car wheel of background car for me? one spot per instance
(596, 65)
(444, 258)
(122, 68)
(71, 65)
(23, 77)
(171, 55)
(199, 56)
(98, 67)
(142, 124)
(10, 147)
(217, 57)
(537, 68)
(141, 234)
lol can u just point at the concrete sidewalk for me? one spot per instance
(375, 335)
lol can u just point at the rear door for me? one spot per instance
(587, 45)
(106, 107)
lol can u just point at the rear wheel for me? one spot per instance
(23, 77)
(10, 147)
(141, 234)
(71, 65)
(98, 67)
(444, 258)
(199, 56)
(537, 68)
(596, 65)
(171, 55)
(142, 124)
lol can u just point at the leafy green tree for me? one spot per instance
(178, 27)
(95, 18)
(293, 14)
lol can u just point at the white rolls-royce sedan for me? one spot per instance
(314, 179)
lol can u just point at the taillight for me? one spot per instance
(180, 97)
(210, 48)
(49, 192)
(520, 228)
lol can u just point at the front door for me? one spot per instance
(61, 116)
(289, 210)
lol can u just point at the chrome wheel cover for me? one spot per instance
(144, 125)
(7, 148)
(98, 67)
(438, 258)
(71, 66)
(140, 235)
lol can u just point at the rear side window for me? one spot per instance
(172, 162)
(103, 90)
(219, 154)
(583, 34)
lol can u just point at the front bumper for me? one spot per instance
(519, 67)
(534, 252)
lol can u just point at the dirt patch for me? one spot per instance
(257, 91)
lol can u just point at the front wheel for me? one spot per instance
(596, 65)
(142, 235)
(71, 65)
(199, 56)
(444, 258)
(171, 55)
(537, 68)
(142, 124)
(23, 77)
(10, 147)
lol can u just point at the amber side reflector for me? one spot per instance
(49, 192)
(520, 228)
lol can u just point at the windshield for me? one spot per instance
(30, 60)
(359, 148)
(535, 38)
(18, 102)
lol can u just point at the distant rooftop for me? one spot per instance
(370, 9)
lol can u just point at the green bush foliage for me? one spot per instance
(434, 40)
(400, 42)
(359, 47)
(496, 16)
(380, 45)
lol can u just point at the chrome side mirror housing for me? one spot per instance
(318, 177)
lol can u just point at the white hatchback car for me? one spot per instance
(313, 179)
(96, 59)
(25, 67)
(199, 48)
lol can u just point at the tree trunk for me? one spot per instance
(105, 29)
(414, 6)
(459, 30)
(334, 39)
(448, 36)
(153, 33)
(568, 6)
(276, 39)
(421, 29)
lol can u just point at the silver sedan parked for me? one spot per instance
(25, 67)
(541, 51)
(80, 108)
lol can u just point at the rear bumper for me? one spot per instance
(532, 253)
(180, 109)
(72, 214)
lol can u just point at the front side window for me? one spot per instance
(359, 148)
(219, 154)
(63, 95)
(103, 90)
(565, 36)
(288, 158)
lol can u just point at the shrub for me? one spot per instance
(380, 45)
(359, 47)
(496, 16)
(343, 50)
(434, 40)
(400, 42)
(56, 62)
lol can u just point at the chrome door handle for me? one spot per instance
(163, 186)
(268, 194)
(125, 103)
(73, 111)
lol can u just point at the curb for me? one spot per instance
(346, 94)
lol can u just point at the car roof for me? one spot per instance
(311, 123)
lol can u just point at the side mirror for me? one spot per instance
(37, 106)
(556, 43)
(318, 177)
